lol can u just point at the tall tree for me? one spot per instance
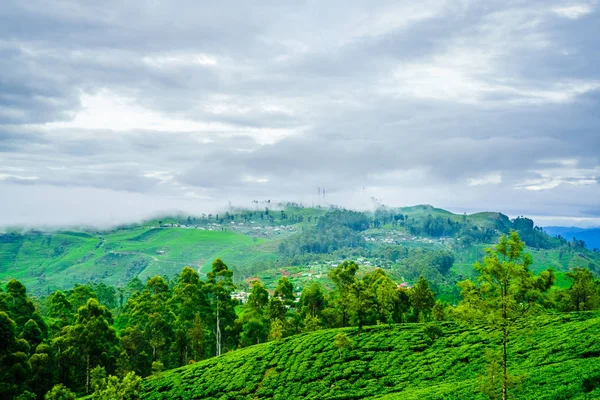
(422, 298)
(21, 309)
(255, 323)
(14, 365)
(189, 301)
(43, 372)
(149, 311)
(385, 296)
(505, 292)
(60, 312)
(362, 302)
(344, 276)
(220, 286)
(92, 339)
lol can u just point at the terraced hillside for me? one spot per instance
(557, 357)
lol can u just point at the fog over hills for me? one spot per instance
(112, 112)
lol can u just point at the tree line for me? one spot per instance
(98, 339)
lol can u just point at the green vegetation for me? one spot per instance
(164, 324)
(46, 262)
(407, 242)
(102, 337)
(556, 357)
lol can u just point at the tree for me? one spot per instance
(277, 330)
(26, 395)
(43, 372)
(112, 388)
(220, 286)
(341, 342)
(312, 323)
(196, 335)
(21, 309)
(385, 295)
(14, 365)
(258, 297)
(60, 312)
(148, 312)
(344, 276)
(32, 333)
(285, 291)
(60, 392)
(255, 330)
(584, 293)
(188, 301)
(92, 338)
(107, 295)
(136, 354)
(505, 292)
(276, 310)
(422, 298)
(312, 299)
(438, 311)
(80, 295)
(361, 303)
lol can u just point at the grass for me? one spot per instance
(397, 362)
(57, 260)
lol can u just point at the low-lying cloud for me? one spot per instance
(118, 111)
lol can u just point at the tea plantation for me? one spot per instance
(553, 357)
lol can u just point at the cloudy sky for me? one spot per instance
(116, 110)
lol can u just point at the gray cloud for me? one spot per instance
(186, 105)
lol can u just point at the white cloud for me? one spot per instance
(574, 11)
(254, 179)
(5, 177)
(492, 178)
(106, 110)
(566, 173)
(472, 77)
(174, 60)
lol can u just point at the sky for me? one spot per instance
(114, 111)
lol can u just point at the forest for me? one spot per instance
(98, 339)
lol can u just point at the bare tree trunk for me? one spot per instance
(218, 332)
(504, 369)
(504, 340)
(87, 379)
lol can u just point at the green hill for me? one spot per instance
(557, 357)
(46, 261)
(267, 242)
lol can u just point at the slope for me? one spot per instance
(558, 359)
(45, 261)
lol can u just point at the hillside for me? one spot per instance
(57, 260)
(556, 357)
(289, 239)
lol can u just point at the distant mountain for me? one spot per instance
(590, 236)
